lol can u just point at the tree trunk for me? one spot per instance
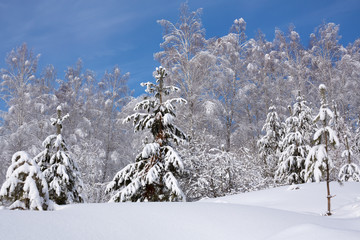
(228, 134)
(328, 213)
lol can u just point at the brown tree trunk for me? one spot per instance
(328, 213)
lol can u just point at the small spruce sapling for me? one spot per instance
(269, 145)
(295, 145)
(153, 175)
(350, 171)
(318, 162)
(59, 168)
(292, 158)
(304, 114)
(25, 187)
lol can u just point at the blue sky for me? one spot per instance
(104, 33)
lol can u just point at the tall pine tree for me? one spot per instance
(153, 175)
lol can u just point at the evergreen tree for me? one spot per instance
(60, 170)
(269, 145)
(292, 158)
(25, 187)
(153, 175)
(303, 112)
(296, 144)
(318, 162)
(350, 171)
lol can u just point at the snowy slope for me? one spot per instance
(271, 214)
(309, 199)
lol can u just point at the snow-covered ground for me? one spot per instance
(277, 213)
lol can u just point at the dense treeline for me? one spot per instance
(233, 86)
(100, 145)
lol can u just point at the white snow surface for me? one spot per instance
(279, 213)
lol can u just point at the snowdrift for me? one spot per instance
(278, 213)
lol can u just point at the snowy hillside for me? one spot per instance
(277, 213)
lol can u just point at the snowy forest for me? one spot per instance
(221, 116)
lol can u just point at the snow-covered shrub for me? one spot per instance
(25, 187)
(349, 171)
(220, 173)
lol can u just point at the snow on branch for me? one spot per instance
(172, 158)
(150, 150)
(172, 184)
(349, 172)
(153, 174)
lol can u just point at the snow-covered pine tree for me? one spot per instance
(25, 186)
(269, 145)
(60, 170)
(296, 143)
(292, 157)
(303, 112)
(318, 162)
(350, 171)
(153, 175)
